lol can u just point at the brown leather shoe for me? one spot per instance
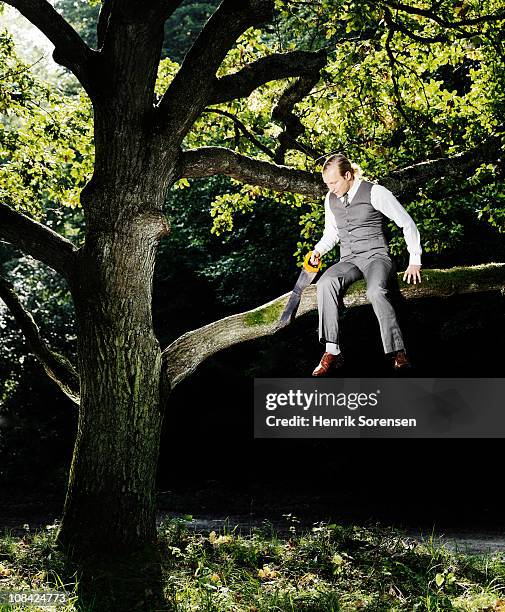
(401, 361)
(328, 363)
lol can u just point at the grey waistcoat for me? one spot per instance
(360, 226)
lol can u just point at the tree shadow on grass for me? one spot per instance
(119, 582)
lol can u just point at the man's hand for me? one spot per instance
(412, 272)
(315, 258)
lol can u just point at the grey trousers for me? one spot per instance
(333, 284)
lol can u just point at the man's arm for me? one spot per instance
(384, 201)
(330, 235)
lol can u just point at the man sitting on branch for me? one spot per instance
(355, 215)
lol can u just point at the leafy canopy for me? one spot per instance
(386, 98)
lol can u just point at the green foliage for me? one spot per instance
(387, 101)
(328, 567)
(166, 72)
(46, 149)
(226, 205)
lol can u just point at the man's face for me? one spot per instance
(336, 183)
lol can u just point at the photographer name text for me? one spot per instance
(346, 421)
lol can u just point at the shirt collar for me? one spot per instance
(352, 191)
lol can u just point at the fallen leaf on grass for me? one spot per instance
(222, 539)
(267, 573)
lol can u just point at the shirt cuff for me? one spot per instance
(415, 259)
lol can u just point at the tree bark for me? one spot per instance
(112, 476)
(110, 503)
(37, 240)
(109, 518)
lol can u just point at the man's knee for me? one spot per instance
(376, 292)
(328, 283)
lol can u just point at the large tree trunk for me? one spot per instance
(109, 515)
(114, 463)
(112, 477)
(110, 509)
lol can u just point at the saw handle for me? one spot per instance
(308, 266)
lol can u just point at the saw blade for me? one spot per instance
(305, 278)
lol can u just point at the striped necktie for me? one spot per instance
(345, 200)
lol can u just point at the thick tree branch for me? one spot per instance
(130, 37)
(208, 161)
(283, 112)
(37, 240)
(404, 183)
(57, 367)
(396, 26)
(412, 10)
(184, 355)
(103, 22)
(191, 89)
(270, 68)
(132, 11)
(69, 48)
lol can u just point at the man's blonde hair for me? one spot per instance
(340, 161)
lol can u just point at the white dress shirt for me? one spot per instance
(386, 203)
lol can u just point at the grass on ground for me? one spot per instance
(323, 569)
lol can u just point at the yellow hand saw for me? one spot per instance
(307, 275)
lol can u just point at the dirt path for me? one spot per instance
(464, 541)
